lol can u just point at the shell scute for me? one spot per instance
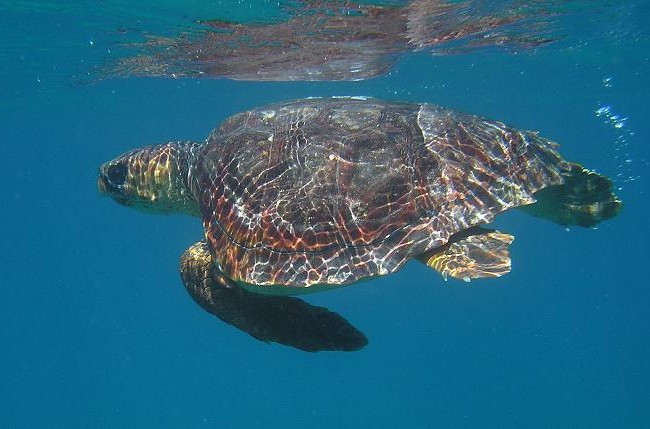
(328, 191)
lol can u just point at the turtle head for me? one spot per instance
(153, 179)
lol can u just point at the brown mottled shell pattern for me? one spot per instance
(329, 191)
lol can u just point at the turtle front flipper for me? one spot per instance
(279, 319)
(585, 198)
(474, 253)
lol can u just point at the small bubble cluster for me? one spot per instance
(613, 119)
(622, 154)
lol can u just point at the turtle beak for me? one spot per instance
(101, 183)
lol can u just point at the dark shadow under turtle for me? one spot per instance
(314, 194)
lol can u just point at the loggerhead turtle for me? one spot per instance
(313, 194)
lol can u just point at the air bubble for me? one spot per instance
(622, 135)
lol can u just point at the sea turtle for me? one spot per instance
(317, 193)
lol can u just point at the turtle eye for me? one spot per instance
(116, 174)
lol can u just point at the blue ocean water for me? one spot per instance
(96, 329)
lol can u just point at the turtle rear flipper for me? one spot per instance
(281, 319)
(584, 199)
(471, 254)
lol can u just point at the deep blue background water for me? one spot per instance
(96, 329)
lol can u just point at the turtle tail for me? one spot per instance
(585, 199)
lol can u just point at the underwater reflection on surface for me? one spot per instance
(327, 41)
